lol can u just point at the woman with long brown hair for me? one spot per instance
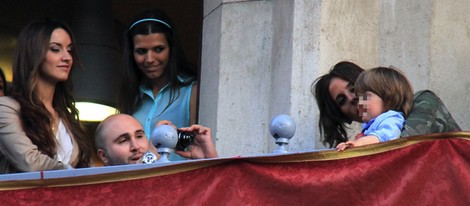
(39, 125)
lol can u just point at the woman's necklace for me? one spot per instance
(54, 125)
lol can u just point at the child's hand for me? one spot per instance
(344, 145)
(366, 140)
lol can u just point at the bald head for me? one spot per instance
(105, 128)
(120, 139)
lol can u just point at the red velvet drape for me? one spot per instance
(425, 170)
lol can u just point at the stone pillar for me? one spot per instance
(236, 74)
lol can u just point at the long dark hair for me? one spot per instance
(132, 77)
(29, 54)
(5, 86)
(332, 121)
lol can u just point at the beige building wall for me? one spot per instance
(450, 57)
(259, 59)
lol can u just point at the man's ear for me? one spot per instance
(103, 156)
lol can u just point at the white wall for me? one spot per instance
(259, 59)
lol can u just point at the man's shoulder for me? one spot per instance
(428, 115)
(426, 98)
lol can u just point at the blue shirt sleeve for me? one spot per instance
(386, 126)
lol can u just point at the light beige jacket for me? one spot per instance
(17, 152)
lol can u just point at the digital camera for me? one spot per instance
(185, 138)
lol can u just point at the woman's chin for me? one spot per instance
(358, 119)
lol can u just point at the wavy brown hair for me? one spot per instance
(31, 48)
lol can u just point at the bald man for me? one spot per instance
(120, 139)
